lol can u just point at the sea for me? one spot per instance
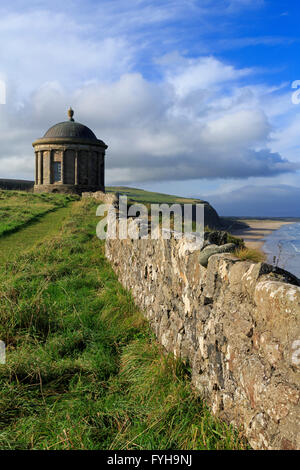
(283, 248)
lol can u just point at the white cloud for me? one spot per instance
(235, 129)
(198, 120)
(150, 134)
(188, 75)
(45, 46)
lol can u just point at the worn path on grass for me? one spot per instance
(17, 242)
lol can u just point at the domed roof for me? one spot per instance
(70, 129)
(70, 132)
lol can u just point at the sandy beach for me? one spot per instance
(257, 231)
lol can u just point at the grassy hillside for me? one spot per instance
(147, 197)
(18, 208)
(83, 369)
(16, 184)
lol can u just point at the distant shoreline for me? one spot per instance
(257, 230)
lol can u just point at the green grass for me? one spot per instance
(83, 369)
(32, 233)
(149, 197)
(250, 254)
(18, 208)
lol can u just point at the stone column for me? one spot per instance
(96, 168)
(40, 167)
(99, 164)
(50, 165)
(36, 168)
(76, 167)
(103, 170)
(88, 167)
(63, 166)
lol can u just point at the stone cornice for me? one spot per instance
(69, 141)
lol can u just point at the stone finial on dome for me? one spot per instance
(70, 114)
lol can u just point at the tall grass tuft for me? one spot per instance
(250, 254)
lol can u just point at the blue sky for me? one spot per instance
(193, 97)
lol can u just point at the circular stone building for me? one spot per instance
(69, 159)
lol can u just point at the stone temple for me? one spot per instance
(69, 159)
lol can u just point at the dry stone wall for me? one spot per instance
(235, 321)
(106, 198)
